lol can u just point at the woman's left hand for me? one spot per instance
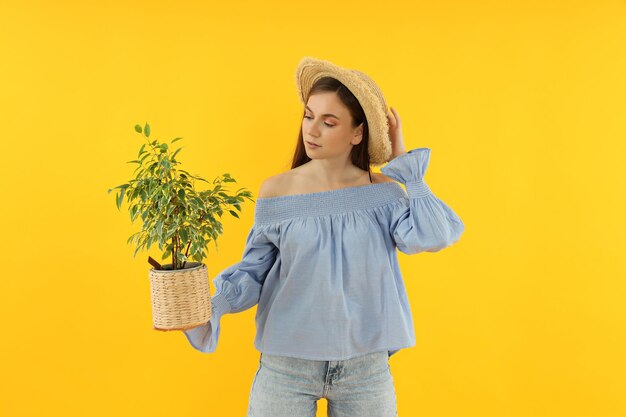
(395, 133)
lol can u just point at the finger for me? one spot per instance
(395, 114)
(391, 118)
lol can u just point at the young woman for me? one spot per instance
(321, 262)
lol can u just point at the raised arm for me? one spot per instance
(421, 222)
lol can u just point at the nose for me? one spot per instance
(311, 131)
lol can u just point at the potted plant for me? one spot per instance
(181, 221)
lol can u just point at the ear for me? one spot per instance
(358, 134)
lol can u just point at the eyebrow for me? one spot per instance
(325, 114)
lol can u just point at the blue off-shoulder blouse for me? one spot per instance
(323, 267)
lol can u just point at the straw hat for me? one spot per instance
(364, 89)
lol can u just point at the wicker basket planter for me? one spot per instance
(181, 298)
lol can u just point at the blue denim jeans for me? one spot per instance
(356, 387)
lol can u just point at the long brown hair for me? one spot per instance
(359, 155)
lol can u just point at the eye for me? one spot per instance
(308, 117)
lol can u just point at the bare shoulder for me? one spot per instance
(273, 186)
(295, 181)
(378, 177)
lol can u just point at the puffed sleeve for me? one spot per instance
(238, 287)
(421, 221)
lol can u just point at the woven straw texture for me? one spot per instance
(181, 298)
(370, 97)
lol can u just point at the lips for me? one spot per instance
(313, 144)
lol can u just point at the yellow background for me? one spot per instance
(522, 103)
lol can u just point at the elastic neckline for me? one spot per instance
(319, 193)
(274, 209)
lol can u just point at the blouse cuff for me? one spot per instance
(409, 169)
(220, 305)
(205, 337)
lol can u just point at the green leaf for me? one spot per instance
(234, 213)
(131, 238)
(177, 139)
(184, 235)
(174, 154)
(120, 197)
(142, 149)
(146, 130)
(111, 189)
(137, 128)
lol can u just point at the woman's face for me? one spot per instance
(327, 122)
